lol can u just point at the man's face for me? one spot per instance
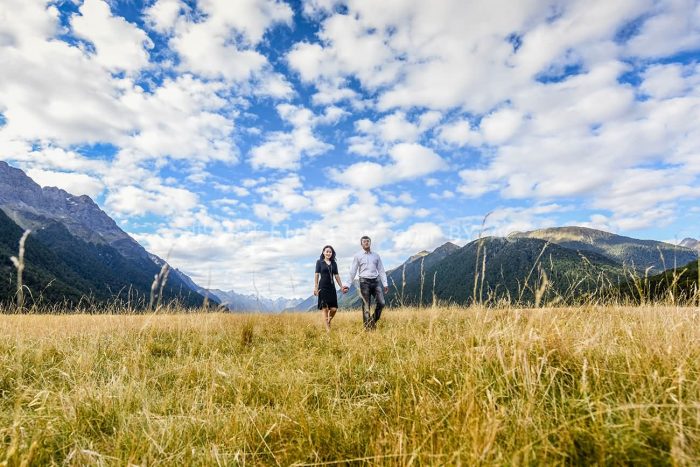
(365, 242)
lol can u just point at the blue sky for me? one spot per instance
(238, 137)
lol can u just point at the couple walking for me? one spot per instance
(368, 265)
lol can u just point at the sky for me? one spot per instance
(236, 138)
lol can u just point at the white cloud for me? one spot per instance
(668, 81)
(181, 120)
(74, 183)
(403, 198)
(53, 92)
(281, 198)
(240, 191)
(459, 133)
(158, 199)
(408, 161)
(477, 182)
(119, 44)
(163, 14)
(52, 158)
(50, 91)
(500, 126)
(445, 194)
(222, 45)
(420, 236)
(269, 213)
(332, 92)
(285, 150)
(376, 137)
(327, 201)
(673, 27)
(350, 48)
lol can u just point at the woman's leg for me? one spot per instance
(326, 321)
(331, 315)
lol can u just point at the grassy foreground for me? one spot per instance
(446, 386)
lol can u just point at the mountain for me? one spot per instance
(46, 275)
(240, 302)
(512, 269)
(630, 252)
(75, 250)
(691, 243)
(33, 207)
(310, 304)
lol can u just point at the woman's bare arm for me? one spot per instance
(317, 276)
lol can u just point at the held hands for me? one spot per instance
(345, 289)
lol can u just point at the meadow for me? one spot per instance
(433, 386)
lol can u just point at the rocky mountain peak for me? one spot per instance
(447, 247)
(418, 255)
(690, 243)
(34, 207)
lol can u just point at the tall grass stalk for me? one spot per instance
(157, 287)
(422, 281)
(476, 263)
(18, 262)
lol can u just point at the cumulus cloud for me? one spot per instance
(119, 45)
(376, 137)
(159, 200)
(163, 14)
(408, 161)
(222, 44)
(420, 236)
(459, 133)
(284, 150)
(673, 27)
(670, 80)
(74, 183)
(182, 119)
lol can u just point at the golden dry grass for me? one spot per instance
(445, 386)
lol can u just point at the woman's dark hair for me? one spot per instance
(332, 255)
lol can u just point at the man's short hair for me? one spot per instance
(365, 237)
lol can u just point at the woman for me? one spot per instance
(326, 270)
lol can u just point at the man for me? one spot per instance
(371, 271)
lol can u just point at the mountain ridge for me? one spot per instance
(32, 206)
(633, 253)
(68, 224)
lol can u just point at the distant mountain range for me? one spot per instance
(635, 254)
(75, 252)
(558, 264)
(241, 302)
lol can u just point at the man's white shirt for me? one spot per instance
(369, 266)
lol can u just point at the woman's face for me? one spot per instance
(327, 253)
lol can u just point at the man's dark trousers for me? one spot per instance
(369, 288)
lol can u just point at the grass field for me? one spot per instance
(447, 386)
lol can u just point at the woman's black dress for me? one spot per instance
(326, 290)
